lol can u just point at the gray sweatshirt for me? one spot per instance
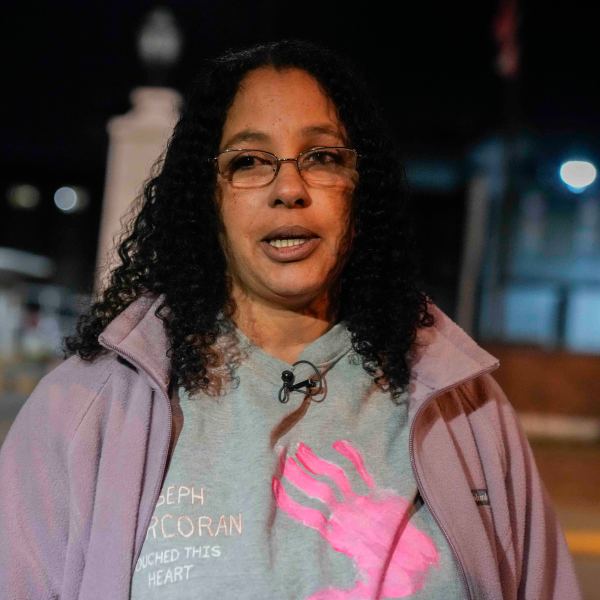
(313, 498)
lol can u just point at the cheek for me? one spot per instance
(228, 205)
(239, 224)
(230, 223)
(342, 223)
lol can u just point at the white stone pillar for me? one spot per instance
(136, 140)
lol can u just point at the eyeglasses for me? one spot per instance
(321, 166)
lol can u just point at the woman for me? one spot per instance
(263, 404)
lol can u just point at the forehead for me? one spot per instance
(282, 102)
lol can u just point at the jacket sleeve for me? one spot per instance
(35, 513)
(545, 567)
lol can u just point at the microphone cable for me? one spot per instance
(314, 384)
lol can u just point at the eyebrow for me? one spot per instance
(326, 129)
(246, 135)
(251, 135)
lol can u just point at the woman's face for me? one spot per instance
(285, 113)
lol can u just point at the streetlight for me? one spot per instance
(577, 175)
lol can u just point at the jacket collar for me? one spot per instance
(139, 336)
(445, 355)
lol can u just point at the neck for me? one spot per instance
(281, 331)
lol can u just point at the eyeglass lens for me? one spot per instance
(255, 168)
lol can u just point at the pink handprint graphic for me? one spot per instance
(391, 555)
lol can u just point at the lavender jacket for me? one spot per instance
(82, 467)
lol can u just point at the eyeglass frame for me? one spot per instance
(278, 160)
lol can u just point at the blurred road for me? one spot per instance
(571, 473)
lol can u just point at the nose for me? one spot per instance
(288, 188)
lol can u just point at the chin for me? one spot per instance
(297, 295)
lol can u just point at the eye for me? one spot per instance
(323, 156)
(246, 161)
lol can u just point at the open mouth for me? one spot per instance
(289, 243)
(289, 235)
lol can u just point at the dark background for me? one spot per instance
(69, 66)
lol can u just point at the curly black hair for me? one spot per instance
(172, 247)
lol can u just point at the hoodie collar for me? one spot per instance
(445, 355)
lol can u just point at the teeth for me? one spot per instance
(287, 243)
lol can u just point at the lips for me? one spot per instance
(290, 253)
(289, 232)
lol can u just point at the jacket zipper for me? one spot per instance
(419, 481)
(165, 453)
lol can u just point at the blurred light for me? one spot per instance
(70, 199)
(433, 175)
(23, 196)
(65, 199)
(578, 174)
(25, 263)
(159, 40)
